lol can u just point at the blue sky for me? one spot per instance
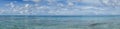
(59, 7)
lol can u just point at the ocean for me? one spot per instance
(59, 22)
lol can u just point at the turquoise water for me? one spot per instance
(59, 22)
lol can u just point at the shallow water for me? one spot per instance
(60, 22)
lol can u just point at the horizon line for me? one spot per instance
(56, 15)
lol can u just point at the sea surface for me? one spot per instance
(59, 22)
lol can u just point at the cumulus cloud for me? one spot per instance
(73, 9)
(33, 0)
(94, 2)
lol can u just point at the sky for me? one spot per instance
(59, 7)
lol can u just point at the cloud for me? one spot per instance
(29, 9)
(33, 0)
(96, 2)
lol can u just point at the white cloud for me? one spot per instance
(33, 0)
(55, 10)
(91, 1)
